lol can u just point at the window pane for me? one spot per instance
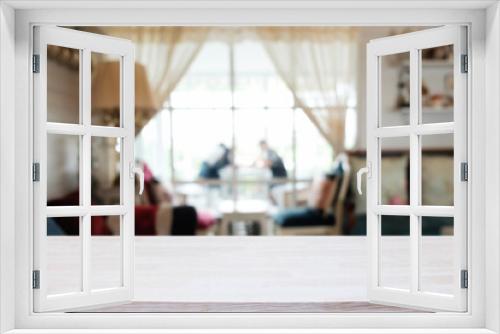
(395, 252)
(106, 170)
(257, 83)
(314, 154)
(250, 128)
(198, 135)
(63, 169)
(264, 151)
(437, 84)
(152, 145)
(437, 169)
(64, 255)
(63, 84)
(436, 255)
(207, 78)
(395, 89)
(395, 154)
(106, 91)
(106, 247)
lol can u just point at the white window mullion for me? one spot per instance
(40, 156)
(93, 210)
(127, 228)
(414, 168)
(80, 130)
(435, 128)
(86, 160)
(106, 131)
(420, 129)
(460, 155)
(419, 210)
(65, 129)
(392, 131)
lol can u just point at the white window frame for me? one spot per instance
(413, 43)
(483, 122)
(86, 44)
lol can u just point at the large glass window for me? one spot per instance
(232, 97)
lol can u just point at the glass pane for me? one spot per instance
(106, 252)
(64, 255)
(263, 149)
(106, 91)
(313, 152)
(202, 148)
(257, 84)
(207, 79)
(437, 84)
(105, 170)
(63, 166)
(394, 175)
(395, 252)
(395, 89)
(250, 127)
(436, 255)
(152, 146)
(63, 84)
(437, 169)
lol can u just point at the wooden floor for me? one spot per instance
(167, 307)
(246, 274)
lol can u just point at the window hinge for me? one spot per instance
(36, 279)
(465, 64)
(36, 172)
(36, 63)
(464, 171)
(464, 279)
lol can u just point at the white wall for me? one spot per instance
(492, 268)
(7, 167)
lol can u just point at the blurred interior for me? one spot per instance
(249, 131)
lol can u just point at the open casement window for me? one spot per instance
(434, 270)
(76, 146)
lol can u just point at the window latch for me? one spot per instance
(365, 170)
(137, 170)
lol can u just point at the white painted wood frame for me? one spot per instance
(483, 17)
(413, 43)
(86, 44)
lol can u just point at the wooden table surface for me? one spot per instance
(250, 269)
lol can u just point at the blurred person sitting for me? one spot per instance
(270, 159)
(220, 158)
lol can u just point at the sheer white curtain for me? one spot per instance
(167, 53)
(319, 66)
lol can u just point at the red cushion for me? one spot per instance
(205, 220)
(145, 217)
(98, 226)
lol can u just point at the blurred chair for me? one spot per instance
(324, 213)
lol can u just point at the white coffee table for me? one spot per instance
(247, 211)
